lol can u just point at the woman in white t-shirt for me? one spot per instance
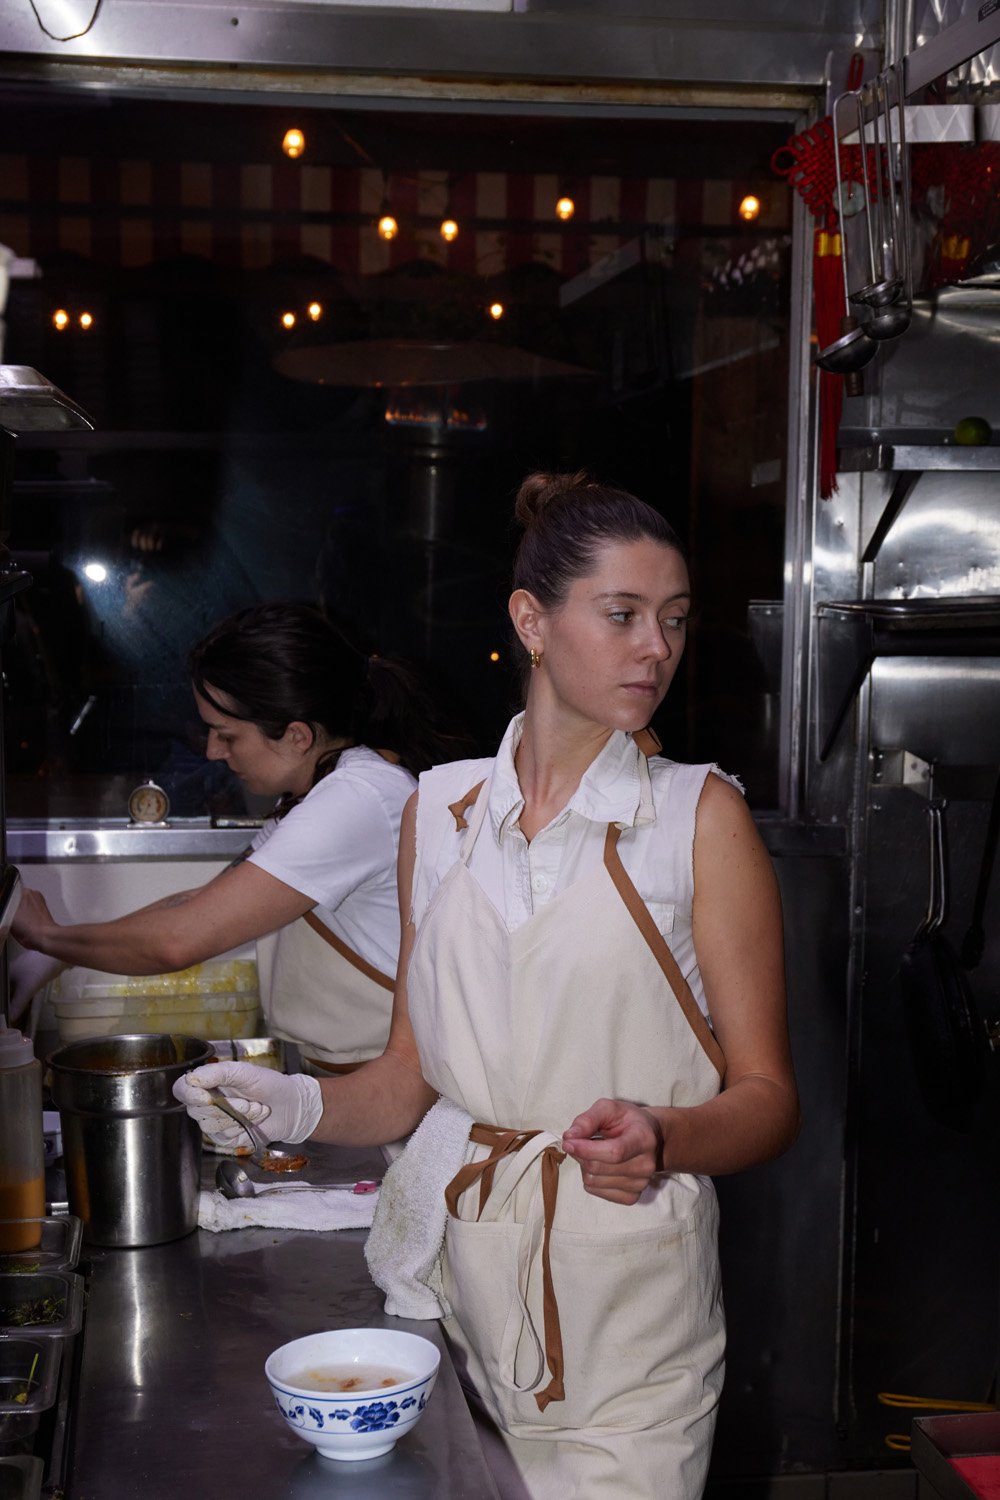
(337, 737)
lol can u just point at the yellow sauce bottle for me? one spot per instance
(22, 1149)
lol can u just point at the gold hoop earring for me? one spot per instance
(534, 658)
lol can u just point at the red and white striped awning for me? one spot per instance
(255, 215)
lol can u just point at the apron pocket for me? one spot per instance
(641, 1317)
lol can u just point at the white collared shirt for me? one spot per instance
(615, 788)
(653, 801)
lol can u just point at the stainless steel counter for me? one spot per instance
(172, 1398)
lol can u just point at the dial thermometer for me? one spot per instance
(149, 803)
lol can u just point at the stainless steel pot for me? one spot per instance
(132, 1152)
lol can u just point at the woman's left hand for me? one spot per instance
(619, 1147)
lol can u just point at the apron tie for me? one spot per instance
(507, 1143)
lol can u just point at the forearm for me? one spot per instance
(379, 1102)
(752, 1121)
(150, 941)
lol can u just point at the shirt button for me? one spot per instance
(540, 883)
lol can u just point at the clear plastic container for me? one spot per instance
(58, 1247)
(215, 1000)
(29, 1368)
(41, 1304)
(22, 1158)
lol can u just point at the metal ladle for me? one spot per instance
(888, 322)
(233, 1182)
(264, 1154)
(854, 349)
(882, 288)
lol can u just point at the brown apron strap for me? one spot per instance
(647, 741)
(508, 1143)
(330, 1067)
(459, 809)
(657, 944)
(320, 928)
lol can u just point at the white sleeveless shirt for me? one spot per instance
(654, 801)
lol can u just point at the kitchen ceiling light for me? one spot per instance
(565, 208)
(387, 227)
(60, 319)
(288, 320)
(86, 320)
(315, 311)
(449, 230)
(294, 143)
(496, 310)
(749, 207)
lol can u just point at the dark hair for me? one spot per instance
(277, 663)
(567, 518)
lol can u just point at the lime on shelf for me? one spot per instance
(972, 430)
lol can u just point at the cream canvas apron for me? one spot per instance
(319, 993)
(526, 1029)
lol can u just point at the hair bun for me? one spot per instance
(540, 490)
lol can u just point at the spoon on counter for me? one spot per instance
(264, 1154)
(233, 1182)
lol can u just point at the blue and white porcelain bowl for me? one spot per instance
(364, 1422)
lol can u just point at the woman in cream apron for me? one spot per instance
(522, 1028)
(569, 1042)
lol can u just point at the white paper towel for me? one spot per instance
(284, 1210)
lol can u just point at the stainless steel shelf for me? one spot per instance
(78, 839)
(853, 632)
(911, 450)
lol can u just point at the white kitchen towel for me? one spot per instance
(403, 1250)
(283, 1210)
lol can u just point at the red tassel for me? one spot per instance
(828, 291)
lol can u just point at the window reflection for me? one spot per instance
(291, 406)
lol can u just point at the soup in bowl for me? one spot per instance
(353, 1392)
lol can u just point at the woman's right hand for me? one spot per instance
(32, 920)
(283, 1107)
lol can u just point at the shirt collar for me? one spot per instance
(615, 788)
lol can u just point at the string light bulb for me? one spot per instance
(387, 227)
(494, 656)
(496, 311)
(449, 230)
(315, 311)
(294, 143)
(60, 319)
(86, 320)
(288, 320)
(749, 207)
(565, 208)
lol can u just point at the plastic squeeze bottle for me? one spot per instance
(22, 1152)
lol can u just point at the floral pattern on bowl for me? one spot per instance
(362, 1425)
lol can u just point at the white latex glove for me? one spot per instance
(284, 1107)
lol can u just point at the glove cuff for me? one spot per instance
(310, 1107)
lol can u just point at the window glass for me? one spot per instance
(290, 405)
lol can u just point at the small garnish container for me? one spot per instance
(41, 1304)
(58, 1247)
(29, 1374)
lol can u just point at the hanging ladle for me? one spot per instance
(854, 349)
(882, 288)
(888, 321)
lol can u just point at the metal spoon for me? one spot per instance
(233, 1182)
(888, 322)
(854, 349)
(264, 1154)
(883, 287)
